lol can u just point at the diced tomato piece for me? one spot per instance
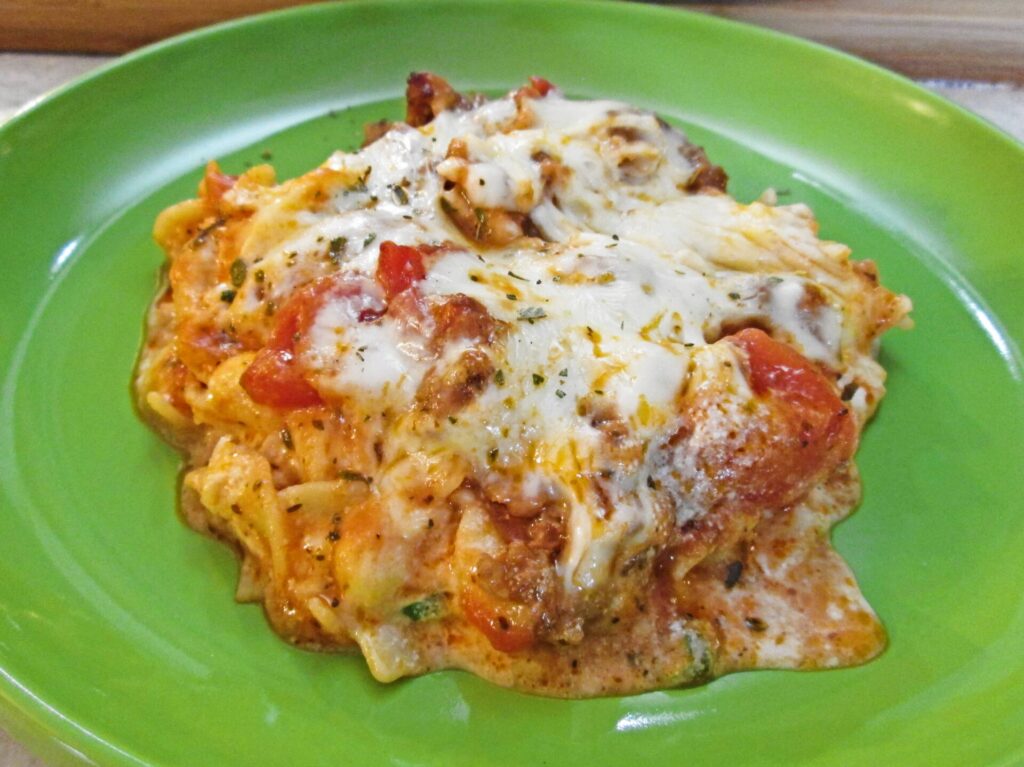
(297, 315)
(399, 267)
(535, 88)
(766, 457)
(542, 86)
(504, 628)
(784, 372)
(273, 378)
(816, 423)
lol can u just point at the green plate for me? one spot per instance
(119, 640)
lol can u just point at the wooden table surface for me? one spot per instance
(977, 43)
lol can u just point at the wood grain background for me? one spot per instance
(956, 39)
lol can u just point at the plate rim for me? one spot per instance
(42, 727)
(42, 102)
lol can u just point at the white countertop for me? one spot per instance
(26, 76)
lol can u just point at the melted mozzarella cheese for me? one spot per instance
(634, 277)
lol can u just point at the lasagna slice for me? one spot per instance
(518, 388)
